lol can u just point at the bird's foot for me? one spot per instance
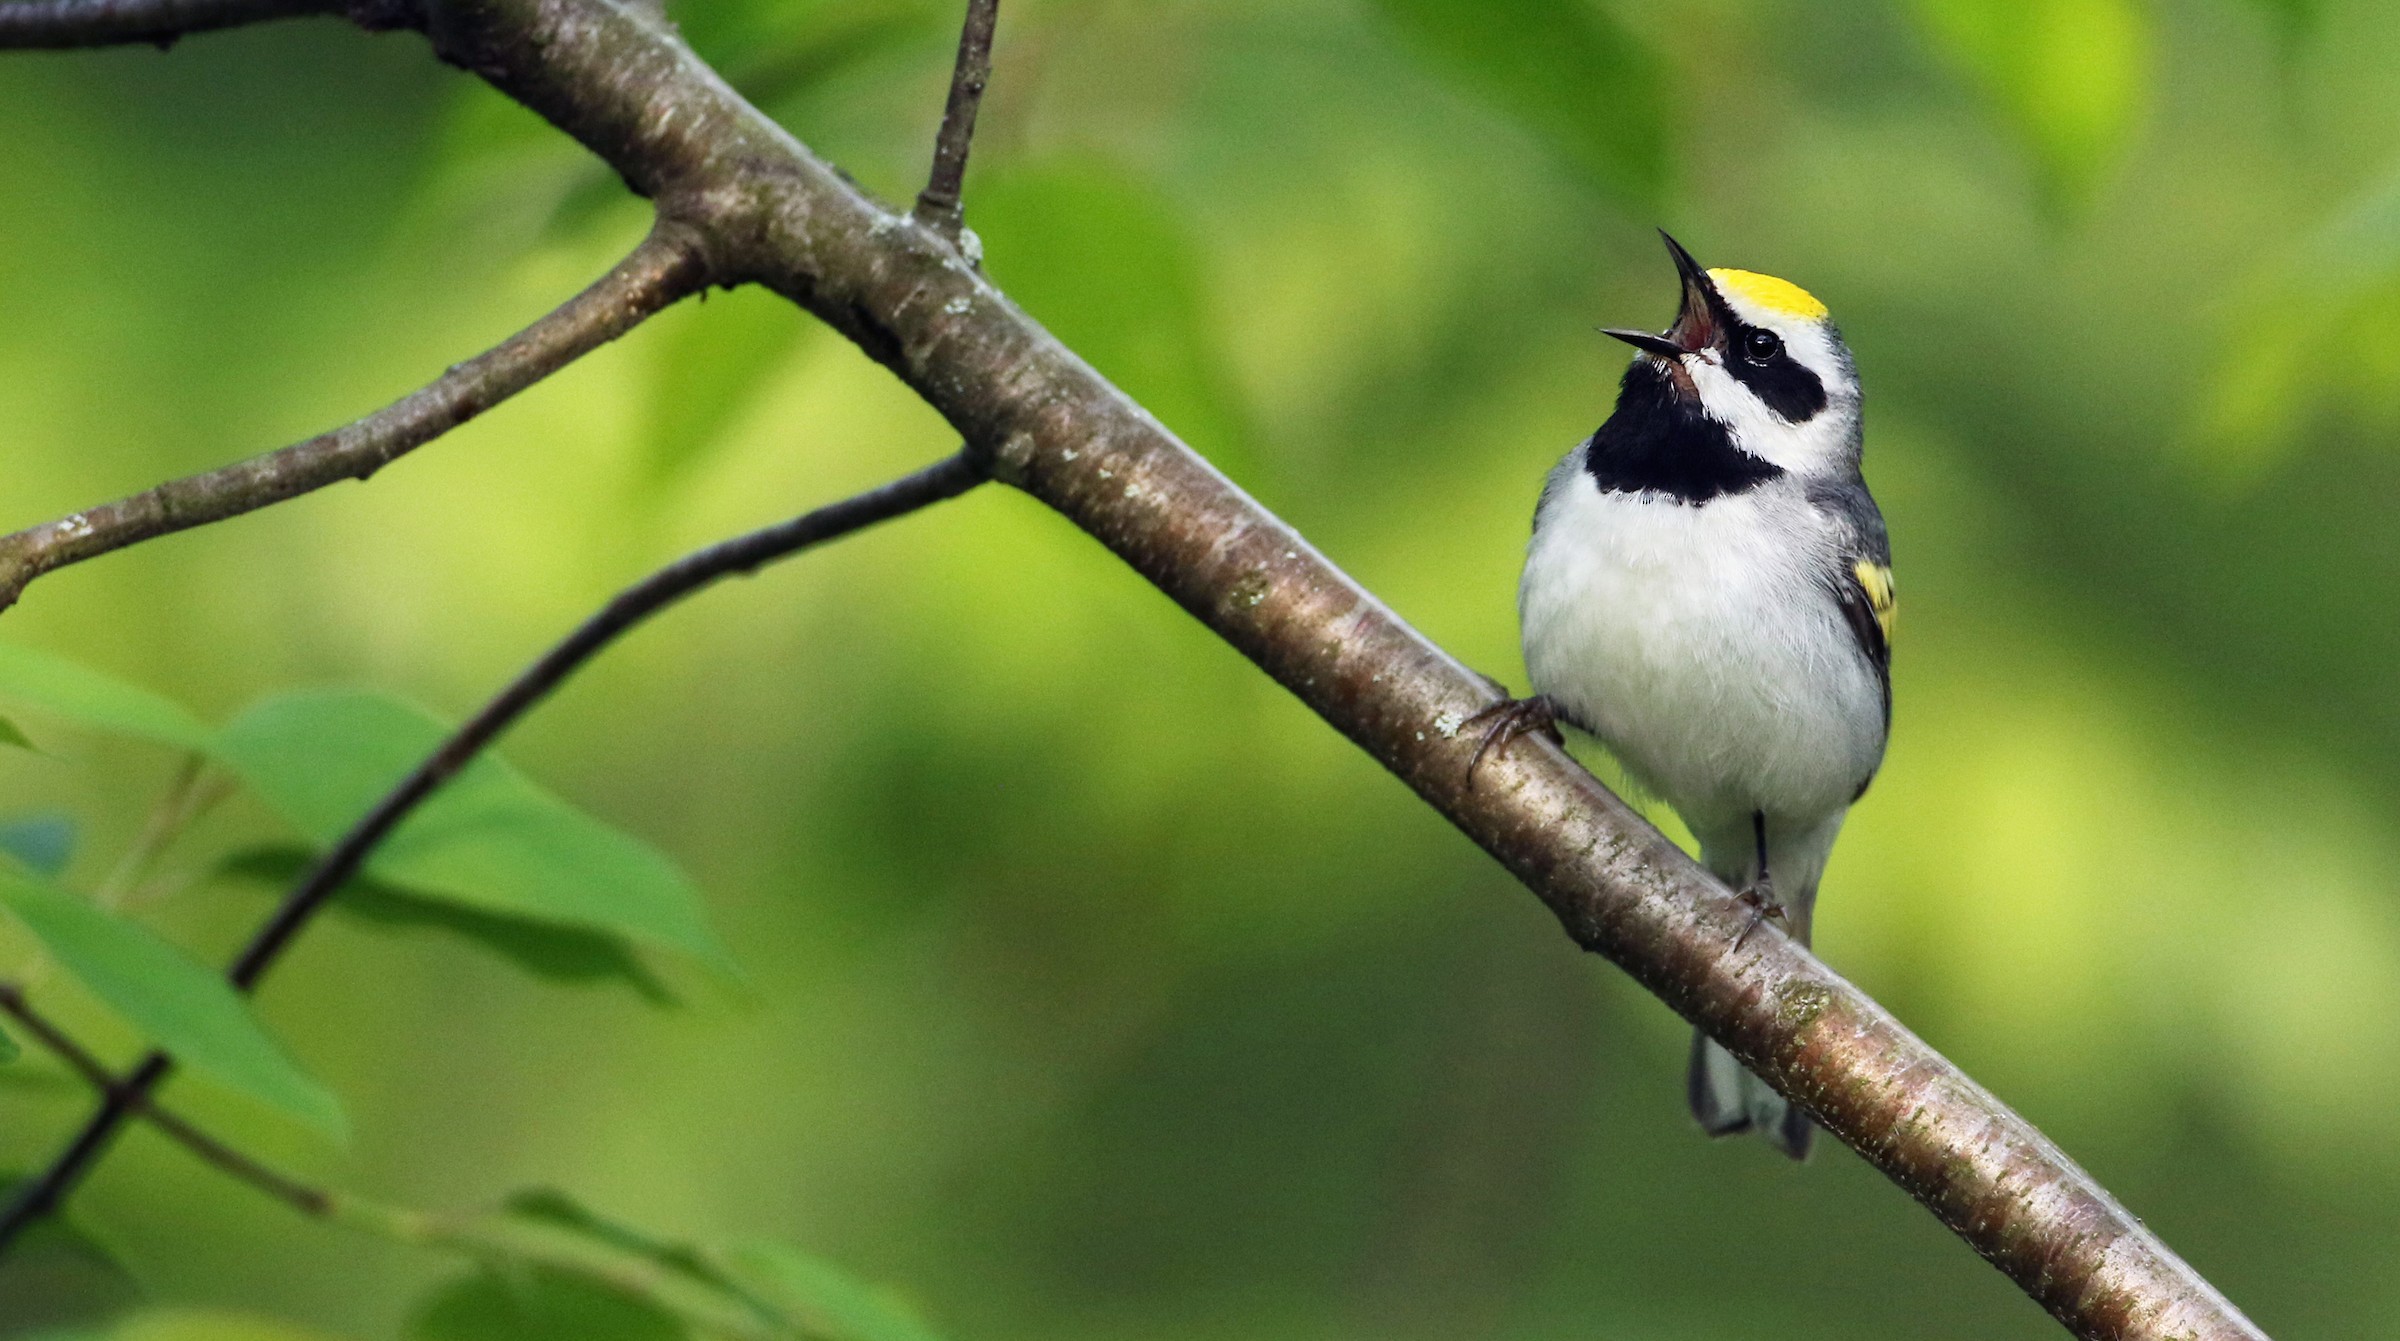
(1760, 896)
(1507, 720)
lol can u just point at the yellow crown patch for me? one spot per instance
(1775, 295)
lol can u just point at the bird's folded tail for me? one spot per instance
(1724, 1096)
(1727, 1099)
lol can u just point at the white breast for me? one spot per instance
(1700, 643)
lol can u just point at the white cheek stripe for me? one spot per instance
(1815, 447)
(1820, 444)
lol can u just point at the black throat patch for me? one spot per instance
(1659, 442)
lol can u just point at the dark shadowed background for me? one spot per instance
(1094, 989)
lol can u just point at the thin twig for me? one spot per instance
(176, 808)
(944, 479)
(57, 25)
(938, 205)
(300, 1196)
(664, 268)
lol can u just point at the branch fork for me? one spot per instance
(939, 204)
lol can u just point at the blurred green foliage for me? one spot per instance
(2069, 76)
(1563, 69)
(1091, 988)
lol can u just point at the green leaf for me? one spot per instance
(2268, 394)
(44, 843)
(175, 1002)
(9, 1051)
(1563, 69)
(178, 1324)
(713, 358)
(538, 1304)
(2070, 77)
(772, 1281)
(59, 1281)
(549, 1206)
(85, 696)
(604, 1245)
(490, 840)
(553, 953)
(11, 734)
(823, 1298)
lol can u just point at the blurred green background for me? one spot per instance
(1095, 990)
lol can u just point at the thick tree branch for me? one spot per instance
(618, 80)
(760, 207)
(664, 268)
(62, 24)
(125, 1099)
(938, 205)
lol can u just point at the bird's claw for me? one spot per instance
(1509, 719)
(1760, 897)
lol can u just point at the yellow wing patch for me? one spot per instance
(1775, 295)
(1876, 580)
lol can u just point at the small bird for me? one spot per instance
(1709, 593)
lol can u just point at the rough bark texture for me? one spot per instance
(616, 79)
(760, 208)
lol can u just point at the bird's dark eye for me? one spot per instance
(1761, 346)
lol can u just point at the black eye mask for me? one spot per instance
(1757, 359)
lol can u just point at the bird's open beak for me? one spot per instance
(1648, 343)
(1695, 325)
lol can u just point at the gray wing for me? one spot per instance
(1861, 582)
(1849, 503)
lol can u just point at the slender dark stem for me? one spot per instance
(308, 1200)
(945, 479)
(938, 205)
(484, 1238)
